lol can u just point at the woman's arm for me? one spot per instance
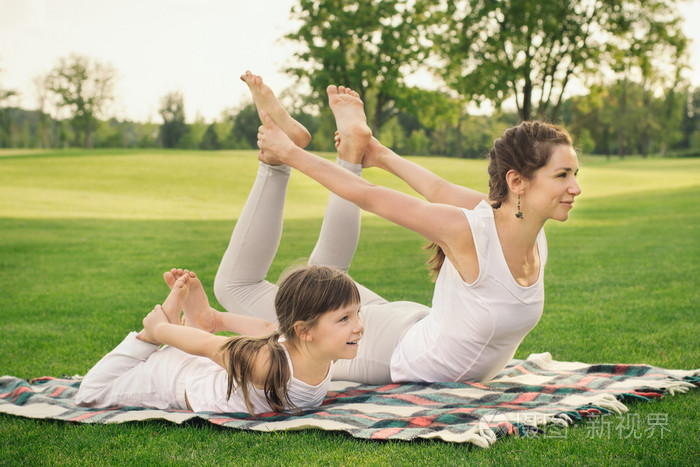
(440, 223)
(434, 188)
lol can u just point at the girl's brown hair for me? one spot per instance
(305, 293)
(524, 148)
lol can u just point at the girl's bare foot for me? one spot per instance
(350, 118)
(172, 306)
(266, 100)
(171, 276)
(198, 313)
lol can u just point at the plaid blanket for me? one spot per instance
(530, 396)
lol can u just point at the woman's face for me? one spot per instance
(551, 191)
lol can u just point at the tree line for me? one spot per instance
(518, 56)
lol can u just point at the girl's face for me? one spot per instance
(550, 193)
(336, 334)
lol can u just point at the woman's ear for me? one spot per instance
(301, 329)
(515, 181)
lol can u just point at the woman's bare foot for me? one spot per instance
(198, 313)
(266, 100)
(350, 118)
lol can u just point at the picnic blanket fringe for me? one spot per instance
(528, 398)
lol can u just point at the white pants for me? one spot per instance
(240, 285)
(137, 374)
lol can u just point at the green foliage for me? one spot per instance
(363, 44)
(625, 118)
(174, 128)
(532, 50)
(690, 124)
(5, 118)
(87, 234)
(197, 131)
(245, 127)
(83, 86)
(210, 139)
(584, 142)
(418, 143)
(322, 138)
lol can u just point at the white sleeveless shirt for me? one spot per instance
(206, 384)
(472, 330)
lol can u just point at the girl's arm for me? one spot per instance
(434, 188)
(243, 325)
(157, 330)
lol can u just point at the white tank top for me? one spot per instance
(472, 330)
(206, 390)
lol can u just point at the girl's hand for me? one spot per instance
(274, 144)
(374, 153)
(151, 322)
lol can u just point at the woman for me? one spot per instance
(491, 253)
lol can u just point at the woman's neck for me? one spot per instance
(516, 233)
(518, 239)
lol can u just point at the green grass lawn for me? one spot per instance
(85, 237)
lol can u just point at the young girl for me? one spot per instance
(491, 250)
(288, 370)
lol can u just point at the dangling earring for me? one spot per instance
(519, 214)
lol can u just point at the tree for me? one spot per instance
(46, 136)
(210, 140)
(531, 50)
(172, 110)
(690, 126)
(245, 127)
(84, 87)
(5, 121)
(366, 45)
(651, 56)
(197, 130)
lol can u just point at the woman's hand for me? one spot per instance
(274, 144)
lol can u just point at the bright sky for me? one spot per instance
(198, 47)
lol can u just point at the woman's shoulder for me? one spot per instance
(480, 219)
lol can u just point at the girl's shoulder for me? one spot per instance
(261, 364)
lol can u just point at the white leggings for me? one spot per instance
(137, 374)
(240, 285)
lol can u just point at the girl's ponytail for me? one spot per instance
(241, 352)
